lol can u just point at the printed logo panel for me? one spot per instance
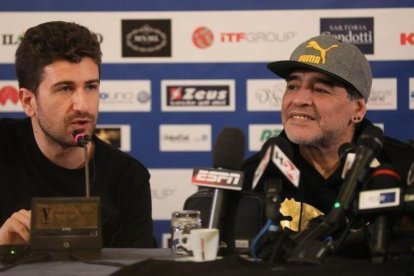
(169, 189)
(383, 94)
(118, 136)
(125, 95)
(9, 97)
(356, 30)
(146, 38)
(260, 133)
(265, 95)
(198, 95)
(185, 137)
(214, 36)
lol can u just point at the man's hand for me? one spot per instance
(16, 229)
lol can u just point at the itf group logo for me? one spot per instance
(358, 31)
(203, 37)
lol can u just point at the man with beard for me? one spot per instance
(323, 107)
(58, 70)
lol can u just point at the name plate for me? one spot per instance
(65, 223)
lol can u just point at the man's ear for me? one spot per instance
(360, 108)
(28, 101)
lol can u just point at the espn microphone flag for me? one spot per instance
(218, 178)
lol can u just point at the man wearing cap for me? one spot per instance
(324, 106)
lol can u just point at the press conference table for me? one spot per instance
(160, 262)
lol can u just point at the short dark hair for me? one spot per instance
(51, 41)
(353, 93)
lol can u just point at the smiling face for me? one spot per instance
(317, 111)
(67, 99)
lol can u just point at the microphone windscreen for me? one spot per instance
(373, 138)
(384, 177)
(228, 152)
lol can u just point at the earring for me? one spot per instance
(356, 119)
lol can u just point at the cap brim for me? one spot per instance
(284, 67)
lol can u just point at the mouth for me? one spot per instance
(301, 117)
(81, 124)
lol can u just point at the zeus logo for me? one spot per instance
(215, 178)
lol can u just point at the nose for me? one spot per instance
(303, 96)
(80, 101)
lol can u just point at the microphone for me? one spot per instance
(309, 246)
(345, 149)
(276, 162)
(228, 154)
(346, 152)
(67, 227)
(382, 193)
(409, 190)
(82, 140)
(369, 144)
(274, 167)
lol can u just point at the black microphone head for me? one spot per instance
(80, 138)
(384, 177)
(373, 138)
(228, 152)
(346, 148)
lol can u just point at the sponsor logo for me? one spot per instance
(9, 97)
(203, 37)
(146, 38)
(14, 39)
(11, 39)
(407, 39)
(198, 95)
(125, 95)
(162, 194)
(374, 199)
(185, 138)
(169, 195)
(383, 94)
(9, 93)
(387, 197)
(316, 59)
(223, 179)
(265, 95)
(358, 31)
(118, 136)
(258, 134)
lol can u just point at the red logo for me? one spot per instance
(203, 37)
(8, 93)
(406, 38)
(176, 93)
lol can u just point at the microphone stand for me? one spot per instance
(87, 179)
